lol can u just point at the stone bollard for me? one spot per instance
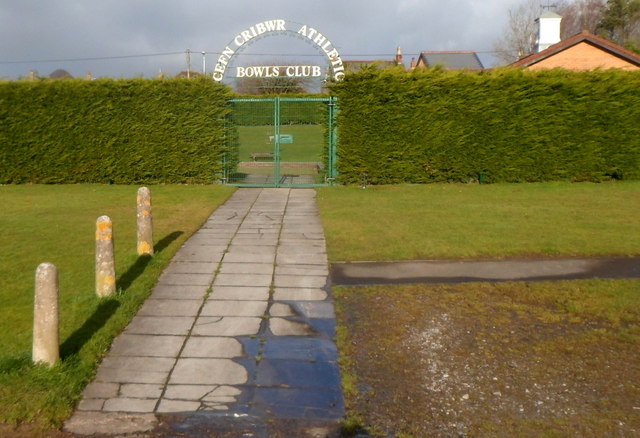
(105, 261)
(46, 346)
(145, 223)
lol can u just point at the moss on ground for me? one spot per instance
(510, 359)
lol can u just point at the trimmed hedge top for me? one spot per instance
(428, 125)
(503, 125)
(112, 131)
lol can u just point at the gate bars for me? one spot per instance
(281, 142)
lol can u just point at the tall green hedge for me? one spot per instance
(505, 125)
(112, 131)
(424, 126)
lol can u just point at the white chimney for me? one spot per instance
(548, 30)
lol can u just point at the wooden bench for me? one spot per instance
(262, 155)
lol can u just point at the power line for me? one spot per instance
(96, 58)
(148, 55)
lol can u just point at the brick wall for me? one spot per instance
(583, 56)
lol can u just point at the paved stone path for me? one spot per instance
(461, 271)
(240, 325)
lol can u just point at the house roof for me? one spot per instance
(549, 14)
(456, 60)
(60, 74)
(584, 36)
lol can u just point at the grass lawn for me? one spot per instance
(553, 359)
(308, 142)
(408, 222)
(57, 224)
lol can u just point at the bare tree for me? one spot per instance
(519, 39)
(579, 15)
(272, 85)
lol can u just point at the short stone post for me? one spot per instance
(105, 260)
(46, 345)
(145, 223)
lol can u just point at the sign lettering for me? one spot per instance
(310, 34)
(274, 71)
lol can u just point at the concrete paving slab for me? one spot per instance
(282, 269)
(316, 309)
(146, 345)
(226, 326)
(198, 244)
(297, 236)
(92, 423)
(189, 392)
(139, 363)
(297, 374)
(299, 248)
(179, 292)
(252, 249)
(141, 390)
(300, 281)
(281, 309)
(216, 233)
(285, 327)
(160, 325)
(118, 375)
(171, 406)
(304, 225)
(234, 308)
(297, 294)
(243, 280)
(170, 307)
(244, 257)
(428, 271)
(208, 371)
(211, 239)
(91, 404)
(305, 403)
(241, 293)
(303, 259)
(300, 348)
(186, 279)
(200, 253)
(191, 268)
(209, 346)
(123, 404)
(101, 390)
(257, 243)
(267, 230)
(246, 268)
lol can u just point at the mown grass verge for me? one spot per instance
(57, 224)
(445, 221)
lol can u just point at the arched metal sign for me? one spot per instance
(279, 27)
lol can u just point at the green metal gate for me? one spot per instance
(281, 142)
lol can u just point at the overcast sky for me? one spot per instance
(68, 30)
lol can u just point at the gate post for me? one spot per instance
(276, 141)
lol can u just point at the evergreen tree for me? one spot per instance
(621, 23)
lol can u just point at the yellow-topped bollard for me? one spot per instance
(145, 222)
(105, 260)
